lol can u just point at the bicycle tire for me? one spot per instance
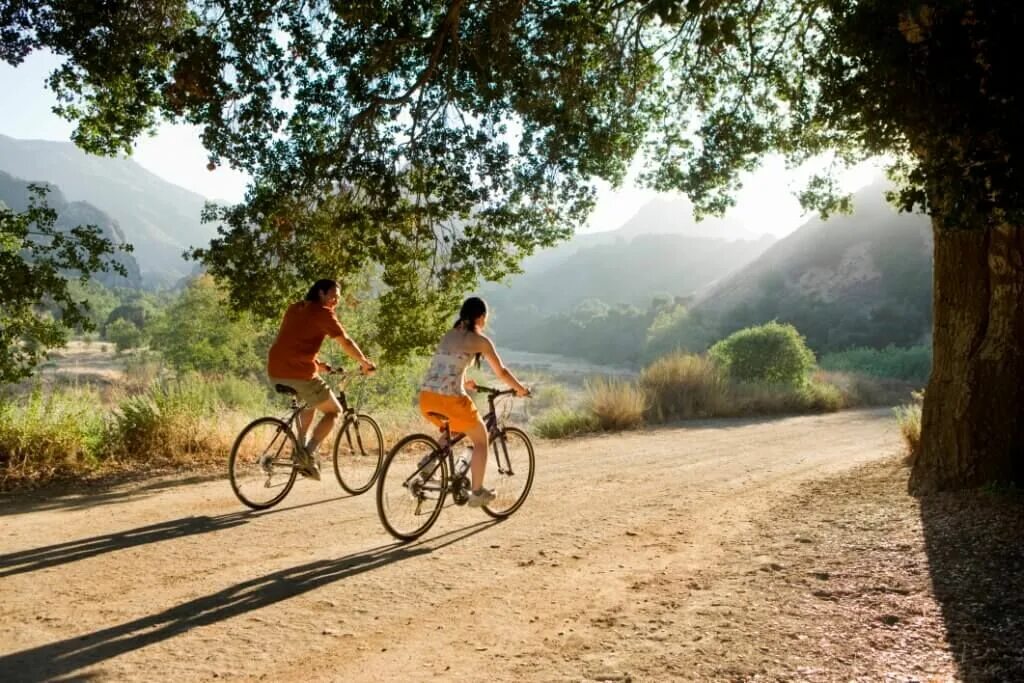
(400, 466)
(501, 463)
(362, 425)
(286, 448)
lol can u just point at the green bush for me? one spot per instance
(124, 334)
(564, 422)
(773, 353)
(681, 386)
(912, 364)
(48, 435)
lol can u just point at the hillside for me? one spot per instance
(632, 271)
(160, 219)
(14, 194)
(659, 216)
(860, 279)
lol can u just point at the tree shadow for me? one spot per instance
(63, 658)
(25, 561)
(975, 546)
(76, 495)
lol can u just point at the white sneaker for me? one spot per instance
(480, 498)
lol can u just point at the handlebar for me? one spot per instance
(494, 393)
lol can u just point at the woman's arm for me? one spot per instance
(491, 354)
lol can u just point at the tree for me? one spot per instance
(37, 307)
(445, 140)
(201, 332)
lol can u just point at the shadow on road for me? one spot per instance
(63, 658)
(76, 495)
(975, 546)
(71, 551)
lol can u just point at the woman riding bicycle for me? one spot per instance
(293, 362)
(444, 389)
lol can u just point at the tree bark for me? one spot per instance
(973, 416)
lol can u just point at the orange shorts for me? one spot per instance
(460, 410)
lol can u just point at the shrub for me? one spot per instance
(911, 364)
(773, 353)
(909, 419)
(173, 420)
(563, 422)
(124, 334)
(615, 404)
(48, 435)
(682, 386)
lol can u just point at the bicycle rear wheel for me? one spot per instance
(358, 453)
(260, 466)
(509, 472)
(408, 503)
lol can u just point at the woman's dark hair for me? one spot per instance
(472, 308)
(320, 287)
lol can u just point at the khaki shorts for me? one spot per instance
(312, 392)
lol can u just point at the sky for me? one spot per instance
(765, 204)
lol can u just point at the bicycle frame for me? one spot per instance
(455, 484)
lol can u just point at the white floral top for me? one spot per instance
(446, 373)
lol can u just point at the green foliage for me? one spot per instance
(912, 364)
(681, 386)
(772, 353)
(124, 334)
(48, 434)
(201, 332)
(36, 260)
(561, 423)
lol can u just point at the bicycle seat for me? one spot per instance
(440, 416)
(284, 389)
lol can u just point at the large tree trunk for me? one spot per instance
(973, 422)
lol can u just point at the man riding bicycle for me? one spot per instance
(293, 362)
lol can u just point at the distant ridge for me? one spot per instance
(14, 194)
(160, 219)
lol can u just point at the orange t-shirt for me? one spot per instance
(305, 324)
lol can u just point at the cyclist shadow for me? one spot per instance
(65, 657)
(25, 561)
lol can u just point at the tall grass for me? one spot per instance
(681, 386)
(615, 404)
(909, 419)
(560, 423)
(49, 434)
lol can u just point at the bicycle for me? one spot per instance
(262, 466)
(419, 473)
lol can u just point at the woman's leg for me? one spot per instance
(478, 435)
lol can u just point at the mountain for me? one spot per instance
(15, 195)
(160, 219)
(859, 279)
(627, 271)
(659, 216)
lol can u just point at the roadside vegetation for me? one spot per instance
(188, 375)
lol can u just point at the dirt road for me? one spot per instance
(593, 579)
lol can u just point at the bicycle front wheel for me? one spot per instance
(260, 466)
(412, 487)
(358, 452)
(509, 472)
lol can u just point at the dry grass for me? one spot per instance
(680, 386)
(909, 419)
(615, 404)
